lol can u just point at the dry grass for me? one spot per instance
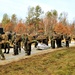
(60, 62)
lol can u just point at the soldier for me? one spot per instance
(10, 36)
(36, 43)
(15, 47)
(29, 43)
(13, 37)
(2, 55)
(19, 45)
(62, 37)
(19, 42)
(53, 37)
(45, 41)
(29, 48)
(6, 44)
(67, 38)
(15, 44)
(59, 38)
(25, 40)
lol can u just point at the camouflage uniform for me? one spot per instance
(45, 41)
(19, 44)
(6, 44)
(36, 43)
(10, 36)
(53, 38)
(15, 44)
(2, 55)
(52, 42)
(67, 38)
(15, 47)
(59, 37)
(29, 48)
(29, 41)
(25, 40)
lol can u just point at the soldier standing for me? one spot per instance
(10, 36)
(67, 38)
(15, 47)
(6, 44)
(15, 44)
(25, 41)
(29, 48)
(28, 43)
(58, 39)
(46, 40)
(19, 42)
(53, 37)
(2, 55)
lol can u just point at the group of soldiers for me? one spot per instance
(58, 37)
(4, 43)
(18, 41)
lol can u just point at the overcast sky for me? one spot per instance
(20, 7)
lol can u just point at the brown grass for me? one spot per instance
(60, 62)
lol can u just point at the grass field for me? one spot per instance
(60, 62)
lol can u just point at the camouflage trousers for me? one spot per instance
(1, 53)
(15, 49)
(6, 46)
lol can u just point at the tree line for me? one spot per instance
(37, 21)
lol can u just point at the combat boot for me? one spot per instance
(3, 58)
(4, 51)
(7, 52)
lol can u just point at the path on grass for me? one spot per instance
(11, 58)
